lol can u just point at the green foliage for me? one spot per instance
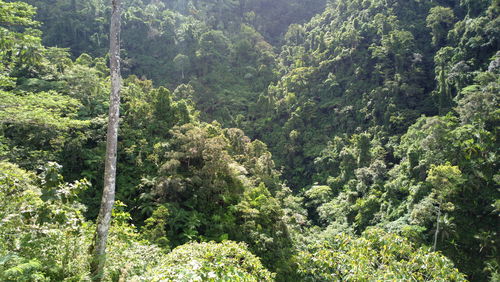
(41, 226)
(42, 110)
(403, 183)
(127, 255)
(440, 20)
(445, 179)
(212, 186)
(359, 65)
(376, 255)
(226, 261)
(46, 238)
(379, 113)
(221, 48)
(261, 225)
(20, 44)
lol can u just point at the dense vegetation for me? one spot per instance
(259, 140)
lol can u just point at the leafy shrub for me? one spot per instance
(41, 227)
(227, 261)
(376, 255)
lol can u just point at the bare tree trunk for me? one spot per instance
(437, 228)
(108, 196)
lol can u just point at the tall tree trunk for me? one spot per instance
(437, 228)
(108, 195)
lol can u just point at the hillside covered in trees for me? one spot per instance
(259, 140)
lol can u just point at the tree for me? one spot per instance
(375, 255)
(181, 63)
(440, 20)
(20, 46)
(41, 229)
(214, 48)
(445, 179)
(108, 195)
(226, 261)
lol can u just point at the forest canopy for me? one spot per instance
(259, 140)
